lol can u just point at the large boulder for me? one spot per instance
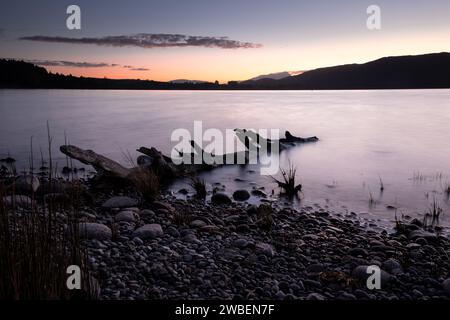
(220, 198)
(120, 202)
(241, 195)
(98, 231)
(26, 184)
(148, 231)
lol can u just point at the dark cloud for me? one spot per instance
(61, 63)
(149, 40)
(140, 69)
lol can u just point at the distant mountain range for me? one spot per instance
(402, 72)
(187, 81)
(277, 75)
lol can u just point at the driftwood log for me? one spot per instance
(101, 164)
(167, 169)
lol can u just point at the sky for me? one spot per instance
(166, 40)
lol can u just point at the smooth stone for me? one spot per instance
(148, 231)
(241, 195)
(315, 268)
(358, 252)
(120, 202)
(265, 248)
(138, 241)
(197, 224)
(315, 296)
(220, 198)
(241, 243)
(392, 266)
(190, 237)
(147, 213)
(98, 231)
(346, 296)
(127, 216)
(415, 234)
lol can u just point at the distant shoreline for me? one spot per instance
(428, 71)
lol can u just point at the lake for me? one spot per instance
(400, 136)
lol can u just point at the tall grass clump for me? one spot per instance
(37, 245)
(36, 249)
(431, 217)
(381, 184)
(199, 185)
(144, 178)
(264, 215)
(288, 183)
(372, 201)
(146, 182)
(446, 188)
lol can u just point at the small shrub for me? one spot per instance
(431, 217)
(199, 186)
(146, 182)
(182, 218)
(288, 184)
(264, 215)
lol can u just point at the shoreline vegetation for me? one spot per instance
(428, 71)
(132, 240)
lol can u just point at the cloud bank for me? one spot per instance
(62, 63)
(74, 64)
(151, 40)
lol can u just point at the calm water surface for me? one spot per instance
(402, 136)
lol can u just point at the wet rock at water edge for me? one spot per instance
(415, 234)
(220, 199)
(241, 195)
(259, 193)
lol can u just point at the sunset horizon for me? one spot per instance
(238, 46)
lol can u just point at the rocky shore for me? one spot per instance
(225, 249)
